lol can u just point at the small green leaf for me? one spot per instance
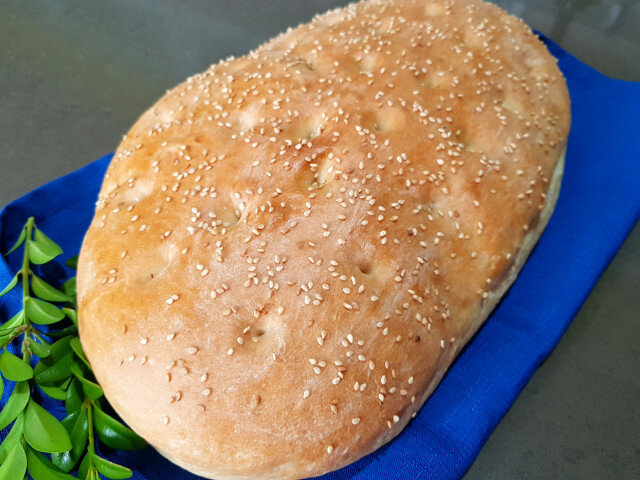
(75, 397)
(50, 370)
(110, 469)
(43, 431)
(23, 235)
(59, 392)
(60, 348)
(39, 253)
(72, 262)
(47, 292)
(85, 466)
(114, 434)
(41, 312)
(54, 392)
(77, 348)
(91, 389)
(40, 347)
(80, 433)
(71, 314)
(15, 466)
(9, 287)
(12, 438)
(42, 238)
(64, 332)
(14, 368)
(42, 249)
(13, 322)
(40, 468)
(16, 403)
(77, 425)
(5, 340)
(70, 287)
(1, 389)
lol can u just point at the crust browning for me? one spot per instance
(290, 248)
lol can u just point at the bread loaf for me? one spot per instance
(290, 249)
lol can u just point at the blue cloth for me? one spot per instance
(598, 205)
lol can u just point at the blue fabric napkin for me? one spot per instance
(598, 205)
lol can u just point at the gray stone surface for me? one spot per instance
(74, 75)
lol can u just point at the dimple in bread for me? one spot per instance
(290, 248)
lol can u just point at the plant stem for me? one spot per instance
(91, 449)
(26, 353)
(92, 440)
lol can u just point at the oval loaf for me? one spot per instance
(290, 248)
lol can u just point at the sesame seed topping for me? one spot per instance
(373, 146)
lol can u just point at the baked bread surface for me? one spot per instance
(290, 248)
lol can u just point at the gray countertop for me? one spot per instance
(74, 75)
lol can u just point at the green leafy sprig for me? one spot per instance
(62, 372)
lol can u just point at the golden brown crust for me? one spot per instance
(289, 249)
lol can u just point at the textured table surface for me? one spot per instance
(74, 75)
